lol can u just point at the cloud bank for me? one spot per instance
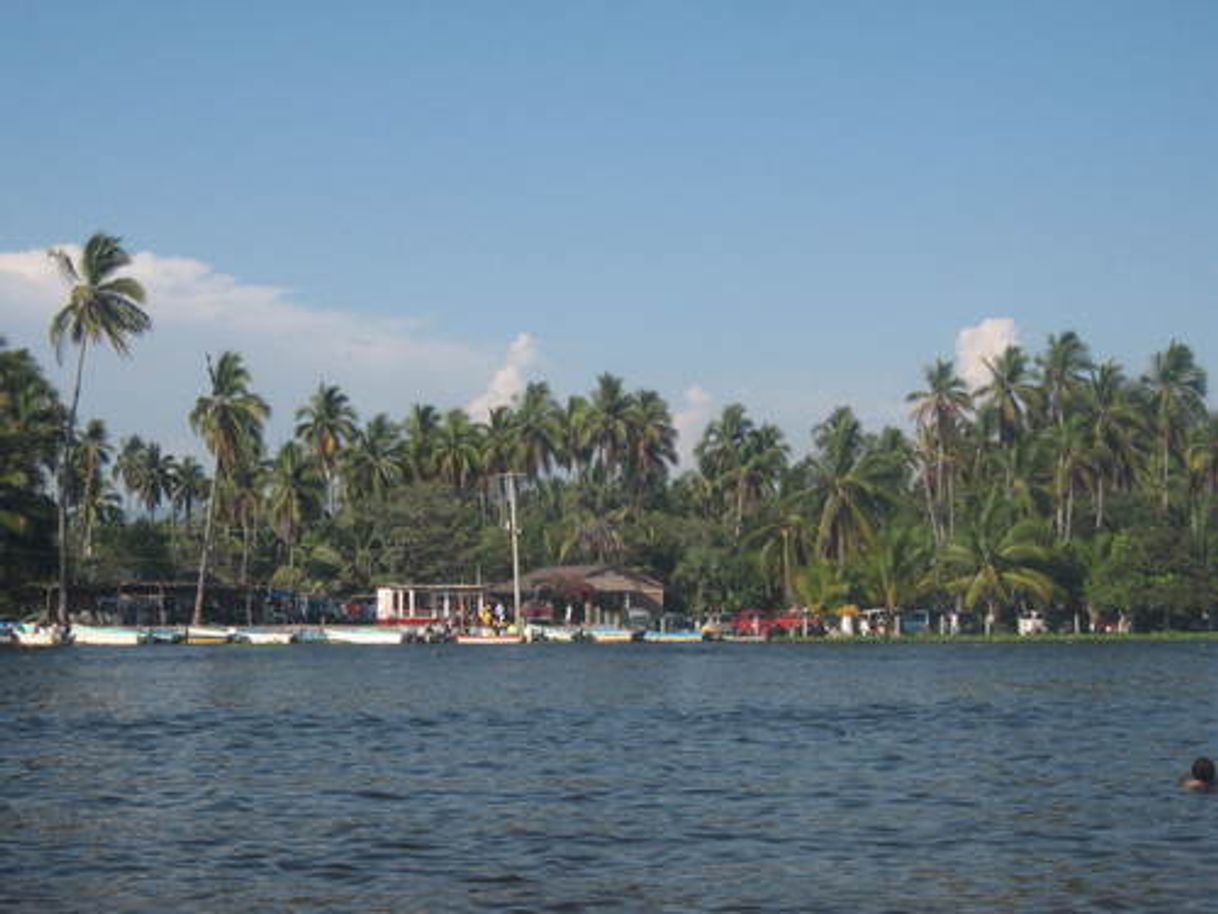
(383, 363)
(984, 342)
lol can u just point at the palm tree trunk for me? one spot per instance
(1099, 502)
(197, 617)
(65, 469)
(245, 568)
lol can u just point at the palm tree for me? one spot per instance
(458, 449)
(897, 567)
(940, 410)
(101, 308)
(651, 442)
(786, 537)
(576, 431)
(296, 494)
(373, 464)
(610, 422)
(327, 423)
(230, 421)
(155, 477)
(188, 486)
(1177, 386)
(128, 464)
(719, 452)
(850, 481)
(1117, 428)
(1008, 398)
(1063, 372)
(996, 561)
(538, 431)
(92, 455)
(421, 426)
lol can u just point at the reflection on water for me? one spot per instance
(630, 778)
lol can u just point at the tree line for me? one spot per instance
(1064, 483)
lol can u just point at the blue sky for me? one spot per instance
(793, 205)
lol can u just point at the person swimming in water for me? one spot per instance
(1201, 777)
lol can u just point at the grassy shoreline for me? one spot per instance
(1011, 638)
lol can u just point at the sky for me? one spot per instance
(790, 205)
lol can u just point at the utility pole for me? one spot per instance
(510, 480)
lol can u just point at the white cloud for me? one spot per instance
(509, 381)
(976, 345)
(383, 363)
(690, 421)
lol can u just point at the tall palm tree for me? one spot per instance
(327, 423)
(722, 454)
(1009, 397)
(1117, 428)
(1063, 373)
(1177, 386)
(101, 308)
(610, 422)
(651, 441)
(940, 410)
(230, 420)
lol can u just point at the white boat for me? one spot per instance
(364, 635)
(108, 635)
(39, 636)
(682, 636)
(610, 634)
(253, 636)
(564, 634)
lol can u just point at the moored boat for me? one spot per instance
(489, 636)
(108, 635)
(207, 635)
(257, 637)
(611, 634)
(364, 635)
(40, 636)
(683, 636)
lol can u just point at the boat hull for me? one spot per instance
(264, 638)
(37, 636)
(611, 635)
(682, 637)
(489, 639)
(202, 635)
(108, 636)
(363, 636)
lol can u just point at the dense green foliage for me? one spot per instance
(1062, 484)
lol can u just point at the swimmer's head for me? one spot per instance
(1203, 770)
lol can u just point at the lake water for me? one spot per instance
(634, 778)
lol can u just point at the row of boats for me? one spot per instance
(30, 635)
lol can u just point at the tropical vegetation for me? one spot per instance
(1063, 483)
